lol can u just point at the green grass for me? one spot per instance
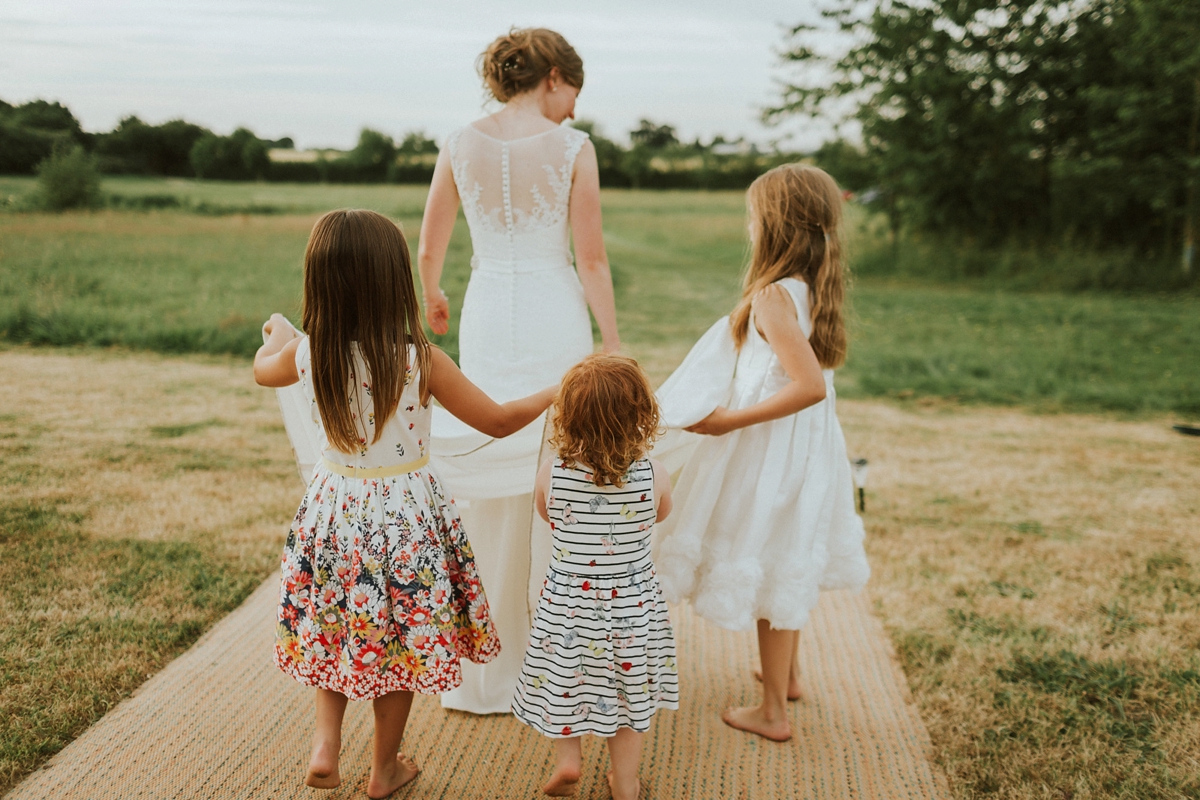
(201, 277)
(1051, 351)
(1131, 708)
(87, 617)
(125, 529)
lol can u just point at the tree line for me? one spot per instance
(991, 121)
(655, 158)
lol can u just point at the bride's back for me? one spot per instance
(516, 193)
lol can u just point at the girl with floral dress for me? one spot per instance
(380, 596)
(766, 514)
(601, 654)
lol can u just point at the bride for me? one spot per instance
(527, 186)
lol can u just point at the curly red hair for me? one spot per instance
(605, 417)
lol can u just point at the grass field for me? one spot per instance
(1040, 578)
(1037, 572)
(181, 281)
(124, 527)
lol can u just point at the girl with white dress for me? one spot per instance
(601, 654)
(766, 513)
(527, 186)
(379, 595)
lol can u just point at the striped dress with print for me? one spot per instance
(601, 653)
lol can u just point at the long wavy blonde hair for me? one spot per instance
(796, 215)
(358, 289)
(605, 417)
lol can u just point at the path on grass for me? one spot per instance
(221, 722)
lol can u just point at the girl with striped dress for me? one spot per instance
(601, 654)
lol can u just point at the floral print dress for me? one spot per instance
(379, 591)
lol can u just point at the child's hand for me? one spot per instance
(277, 321)
(720, 421)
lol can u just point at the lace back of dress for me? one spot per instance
(516, 189)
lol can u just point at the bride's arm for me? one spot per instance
(590, 258)
(441, 208)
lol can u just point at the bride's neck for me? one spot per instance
(526, 105)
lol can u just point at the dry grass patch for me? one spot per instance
(1040, 577)
(1038, 574)
(143, 498)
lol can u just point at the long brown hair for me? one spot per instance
(358, 288)
(518, 61)
(796, 213)
(605, 417)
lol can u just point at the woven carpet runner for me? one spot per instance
(221, 722)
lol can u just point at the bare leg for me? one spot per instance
(625, 751)
(565, 779)
(793, 692)
(769, 719)
(327, 741)
(389, 769)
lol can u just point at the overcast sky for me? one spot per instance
(320, 71)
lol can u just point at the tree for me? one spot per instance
(416, 143)
(50, 117)
(252, 152)
(649, 140)
(653, 137)
(374, 157)
(850, 165)
(135, 147)
(239, 156)
(609, 154)
(29, 134)
(1029, 118)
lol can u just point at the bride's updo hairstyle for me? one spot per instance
(522, 58)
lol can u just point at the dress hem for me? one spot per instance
(436, 682)
(667, 705)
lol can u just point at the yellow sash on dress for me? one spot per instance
(375, 472)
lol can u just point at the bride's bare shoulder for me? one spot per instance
(488, 126)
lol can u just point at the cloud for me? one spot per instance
(319, 71)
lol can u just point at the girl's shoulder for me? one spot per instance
(795, 288)
(642, 469)
(792, 289)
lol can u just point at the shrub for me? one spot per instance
(237, 157)
(69, 178)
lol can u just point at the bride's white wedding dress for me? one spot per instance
(524, 323)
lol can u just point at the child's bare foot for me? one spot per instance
(383, 783)
(793, 693)
(564, 782)
(630, 792)
(323, 767)
(753, 720)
